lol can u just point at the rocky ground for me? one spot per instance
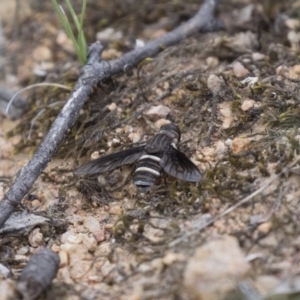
(234, 94)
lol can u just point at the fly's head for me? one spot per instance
(172, 131)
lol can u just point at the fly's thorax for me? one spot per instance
(157, 144)
(147, 170)
(172, 131)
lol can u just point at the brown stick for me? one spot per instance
(96, 71)
(38, 273)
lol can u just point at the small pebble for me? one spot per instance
(42, 53)
(212, 61)
(213, 269)
(247, 104)
(256, 56)
(157, 112)
(23, 250)
(239, 145)
(172, 257)
(109, 34)
(90, 242)
(36, 238)
(91, 223)
(63, 256)
(112, 106)
(265, 228)
(99, 235)
(239, 70)
(134, 137)
(116, 210)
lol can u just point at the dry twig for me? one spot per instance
(38, 273)
(94, 72)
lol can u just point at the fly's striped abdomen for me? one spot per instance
(147, 170)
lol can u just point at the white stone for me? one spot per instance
(239, 70)
(215, 269)
(134, 137)
(159, 111)
(92, 224)
(247, 104)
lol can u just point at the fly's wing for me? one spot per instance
(111, 161)
(178, 165)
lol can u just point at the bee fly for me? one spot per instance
(159, 153)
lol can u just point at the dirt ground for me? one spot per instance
(235, 96)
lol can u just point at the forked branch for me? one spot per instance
(94, 72)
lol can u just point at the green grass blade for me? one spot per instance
(73, 14)
(81, 37)
(79, 42)
(82, 15)
(64, 20)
